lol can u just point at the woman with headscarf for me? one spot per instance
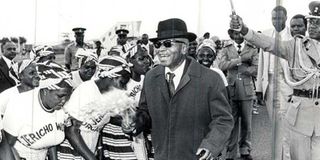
(93, 102)
(33, 121)
(28, 79)
(206, 55)
(115, 143)
(87, 67)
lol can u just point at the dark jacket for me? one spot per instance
(197, 116)
(5, 80)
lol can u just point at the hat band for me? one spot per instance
(171, 33)
(312, 16)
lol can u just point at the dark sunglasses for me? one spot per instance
(166, 43)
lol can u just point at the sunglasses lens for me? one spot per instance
(157, 44)
(167, 44)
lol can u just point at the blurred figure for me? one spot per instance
(192, 49)
(145, 43)
(99, 48)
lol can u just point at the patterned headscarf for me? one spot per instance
(113, 66)
(207, 43)
(53, 76)
(42, 51)
(85, 56)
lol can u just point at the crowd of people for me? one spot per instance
(171, 97)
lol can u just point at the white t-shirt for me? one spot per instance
(134, 89)
(5, 97)
(36, 129)
(76, 79)
(89, 106)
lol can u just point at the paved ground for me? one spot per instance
(261, 135)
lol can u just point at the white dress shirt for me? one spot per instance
(177, 72)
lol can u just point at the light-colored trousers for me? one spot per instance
(276, 100)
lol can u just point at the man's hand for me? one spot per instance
(204, 154)
(236, 23)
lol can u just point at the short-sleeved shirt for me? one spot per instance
(70, 52)
(36, 129)
(5, 96)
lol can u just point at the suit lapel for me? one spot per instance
(191, 69)
(162, 83)
(5, 70)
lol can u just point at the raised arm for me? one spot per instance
(269, 44)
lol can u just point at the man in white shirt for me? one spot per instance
(275, 92)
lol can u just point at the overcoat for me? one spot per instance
(198, 114)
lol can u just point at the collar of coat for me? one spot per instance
(194, 69)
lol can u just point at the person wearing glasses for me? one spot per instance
(302, 54)
(182, 127)
(240, 60)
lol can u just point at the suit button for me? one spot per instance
(316, 103)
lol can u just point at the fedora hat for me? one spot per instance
(173, 28)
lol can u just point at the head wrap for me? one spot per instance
(207, 43)
(21, 66)
(43, 50)
(116, 50)
(113, 66)
(85, 56)
(53, 76)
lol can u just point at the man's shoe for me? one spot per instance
(246, 157)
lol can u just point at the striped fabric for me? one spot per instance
(116, 144)
(66, 152)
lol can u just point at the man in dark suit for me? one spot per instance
(185, 103)
(7, 79)
(240, 60)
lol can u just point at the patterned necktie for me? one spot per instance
(170, 77)
(13, 75)
(239, 48)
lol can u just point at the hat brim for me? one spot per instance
(190, 36)
(312, 16)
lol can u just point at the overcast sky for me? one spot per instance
(57, 16)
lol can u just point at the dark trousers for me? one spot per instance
(242, 113)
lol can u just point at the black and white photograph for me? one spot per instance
(160, 80)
